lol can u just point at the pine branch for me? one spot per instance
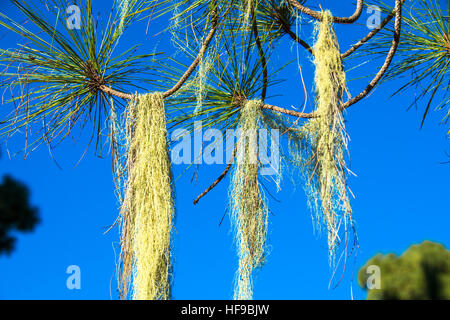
(318, 15)
(370, 35)
(387, 62)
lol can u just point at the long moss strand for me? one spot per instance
(324, 164)
(148, 204)
(249, 212)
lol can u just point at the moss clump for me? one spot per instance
(249, 212)
(148, 208)
(325, 137)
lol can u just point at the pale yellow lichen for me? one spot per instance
(324, 164)
(148, 208)
(249, 212)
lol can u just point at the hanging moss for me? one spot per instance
(148, 208)
(124, 8)
(248, 10)
(323, 159)
(249, 212)
(248, 7)
(202, 77)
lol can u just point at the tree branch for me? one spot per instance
(290, 112)
(116, 93)
(370, 34)
(186, 75)
(318, 15)
(296, 38)
(199, 57)
(220, 178)
(387, 62)
(287, 28)
(261, 54)
(397, 12)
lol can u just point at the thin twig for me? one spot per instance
(220, 178)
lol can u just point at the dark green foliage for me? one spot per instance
(16, 213)
(422, 272)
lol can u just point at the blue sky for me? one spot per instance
(401, 194)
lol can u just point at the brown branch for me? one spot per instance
(370, 35)
(287, 28)
(398, 16)
(116, 93)
(261, 54)
(318, 15)
(197, 60)
(227, 169)
(398, 19)
(186, 75)
(220, 178)
(290, 112)
(387, 62)
(296, 38)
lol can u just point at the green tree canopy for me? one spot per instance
(421, 272)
